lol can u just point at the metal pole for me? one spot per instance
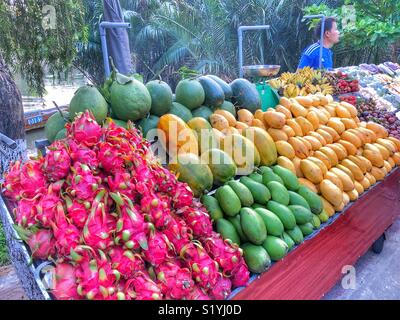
(108, 25)
(321, 49)
(240, 38)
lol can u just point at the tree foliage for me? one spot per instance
(28, 47)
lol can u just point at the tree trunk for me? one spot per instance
(11, 118)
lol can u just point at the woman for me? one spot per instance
(310, 56)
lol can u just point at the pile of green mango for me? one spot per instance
(267, 213)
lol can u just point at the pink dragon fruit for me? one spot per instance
(142, 287)
(85, 129)
(240, 275)
(66, 234)
(222, 289)
(47, 206)
(77, 212)
(230, 258)
(126, 262)
(204, 269)
(157, 209)
(97, 230)
(110, 158)
(83, 184)
(12, 184)
(177, 233)
(65, 282)
(121, 182)
(26, 211)
(198, 294)
(176, 282)
(57, 162)
(40, 241)
(83, 154)
(131, 228)
(158, 247)
(197, 219)
(33, 180)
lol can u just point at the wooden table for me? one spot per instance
(313, 268)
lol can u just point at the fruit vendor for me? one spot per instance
(311, 55)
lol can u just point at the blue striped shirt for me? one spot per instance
(310, 57)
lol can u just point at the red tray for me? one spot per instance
(311, 270)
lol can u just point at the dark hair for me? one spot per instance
(329, 21)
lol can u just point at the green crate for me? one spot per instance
(269, 96)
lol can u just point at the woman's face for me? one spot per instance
(333, 35)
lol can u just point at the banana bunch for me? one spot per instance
(291, 91)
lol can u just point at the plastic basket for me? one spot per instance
(269, 97)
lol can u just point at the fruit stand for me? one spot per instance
(295, 190)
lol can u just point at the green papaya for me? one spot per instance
(296, 235)
(238, 226)
(301, 214)
(298, 200)
(256, 257)
(227, 231)
(275, 247)
(289, 178)
(256, 177)
(316, 222)
(323, 216)
(253, 226)
(306, 229)
(288, 240)
(244, 194)
(312, 198)
(212, 207)
(259, 191)
(278, 192)
(269, 175)
(273, 224)
(284, 214)
(257, 206)
(228, 200)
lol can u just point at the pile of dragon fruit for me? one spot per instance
(116, 224)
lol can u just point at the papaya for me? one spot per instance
(235, 221)
(332, 132)
(285, 149)
(288, 240)
(346, 171)
(350, 148)
(313, 118)
(359, 187)
(295, 127)
(289, 178)
(316, 222)
(285, 102)
(275, 119)
(388, 144)
(283, 213)
(327, 137)
(278, 193)
(324, 158)
(340, 151)
(256, 257)
(305, 125)
(360, 163)
(311, 171)
(259, 124)
(379, 130)
(301, 214)
(191, 171)
(342, 112)
(264, 144)
(298, 110)
(350, 108)
(353, 195)
(334, 179)
(241, 126)
(396, 142)
(285, 111)
(305, 101)
(374, 156)
(288, 131)
(384, 152)
(307, 183)
(227, 231)
(177, 137)
(297, 200)
(228, 200)
(315, 143)
(269, 175)
(347, 182)
(332, 156)
(352, 138)
(277, 248)
(296, 162)
(212, 206)
(243, 193)
(273, 224)
(219, 122)
(228, 116)
(245, 116)
(349, 124)
(320, 164)
(253, 226)
(331, 192)
(296, 234)
(287, 164)
(306, 229)
(256, 177)
(260, 192)
(312, 198)
(378, 173)
(369, 134)
(301, 151)
(243, 152)
(355, 170)
(327, 207)
(221, 165)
